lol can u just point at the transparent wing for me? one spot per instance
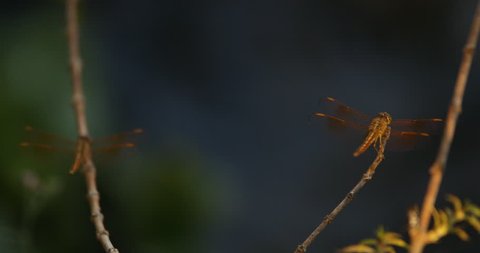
(406, 140)
(345, 112)
(120, 137)
(340, 117)
(43, 142)
(116, 143)
(428, 126)
(339, 124)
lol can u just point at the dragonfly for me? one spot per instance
(402, 134)
(84, 146)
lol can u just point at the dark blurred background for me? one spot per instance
(231, 159)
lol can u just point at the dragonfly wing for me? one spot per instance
(343, 111)
(340, 117)
(114, 149)
(406, 140)
(43, 142)
(119, 137)
(430, 126)
(44, 148)
(338, 124)
(33, 135)
(114, 144)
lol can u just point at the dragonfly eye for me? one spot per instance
(386, 116)
(389, 118)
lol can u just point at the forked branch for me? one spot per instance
(438, 167)
(367, 176)
(78, 102)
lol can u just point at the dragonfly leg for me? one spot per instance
(384, 138)
(379, 144)
(376, 145)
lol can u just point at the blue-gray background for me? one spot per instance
(231, 160)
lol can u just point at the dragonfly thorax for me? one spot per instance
(386, 116)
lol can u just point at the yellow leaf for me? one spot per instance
(388, 250)
(457, 206)
(461, 234)
(397, 242)
(358, 248)
(389, 234)
(368, 241)
(436, 218)
(441, 221)
(394, 239)
(445, 225)
(380, 232)
(472, 208)
(432, 237)
(474, 222)
(440, 226)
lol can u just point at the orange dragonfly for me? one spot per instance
(84, 147)
(401, 134)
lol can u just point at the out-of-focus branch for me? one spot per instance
(78, 102)
(367, 176)
(438, 166)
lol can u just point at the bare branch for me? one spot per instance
(78, 102)
(367, 176)
(438, 166)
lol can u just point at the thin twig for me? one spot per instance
(438, 166)
(78, 101)
(367, 176)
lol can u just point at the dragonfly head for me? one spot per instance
(386, 116)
